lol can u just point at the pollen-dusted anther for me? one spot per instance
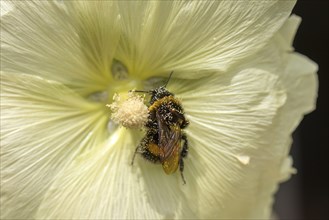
(130, 113)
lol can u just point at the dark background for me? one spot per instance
(305, 196)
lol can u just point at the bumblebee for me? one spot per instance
(164, 131)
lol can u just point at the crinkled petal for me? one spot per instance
(158, 36)
(240, 127)
(75, 41)
(227, 115)
(233, 167)
(287, 32)
(44, 126)
(101, 184)
(300, 82)
(69, 43)
(165, 192)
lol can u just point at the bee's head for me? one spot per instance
(159, 93)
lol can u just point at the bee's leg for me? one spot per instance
(181, 169)
(185, 146)
(149, 156)
(136, 151)
(182, 155)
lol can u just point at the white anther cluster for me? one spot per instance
(130, 113)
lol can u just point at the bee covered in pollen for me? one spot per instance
(164, 135)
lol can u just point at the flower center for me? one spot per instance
(128, 108)
(121, 82)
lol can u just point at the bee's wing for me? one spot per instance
(163, 130)
(171, 163)
(169, 142)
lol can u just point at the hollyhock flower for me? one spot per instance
(243, 88)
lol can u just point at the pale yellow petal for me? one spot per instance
(300, 82)
(240, 122)
(76, 41)
(101, 184)
(69, 43)
(227, 114)
(240, 127)
(288, 31)
(160, 36)
(44, 126)
(165, 192)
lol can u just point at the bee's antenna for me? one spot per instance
(142, 91)
(168, 79)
